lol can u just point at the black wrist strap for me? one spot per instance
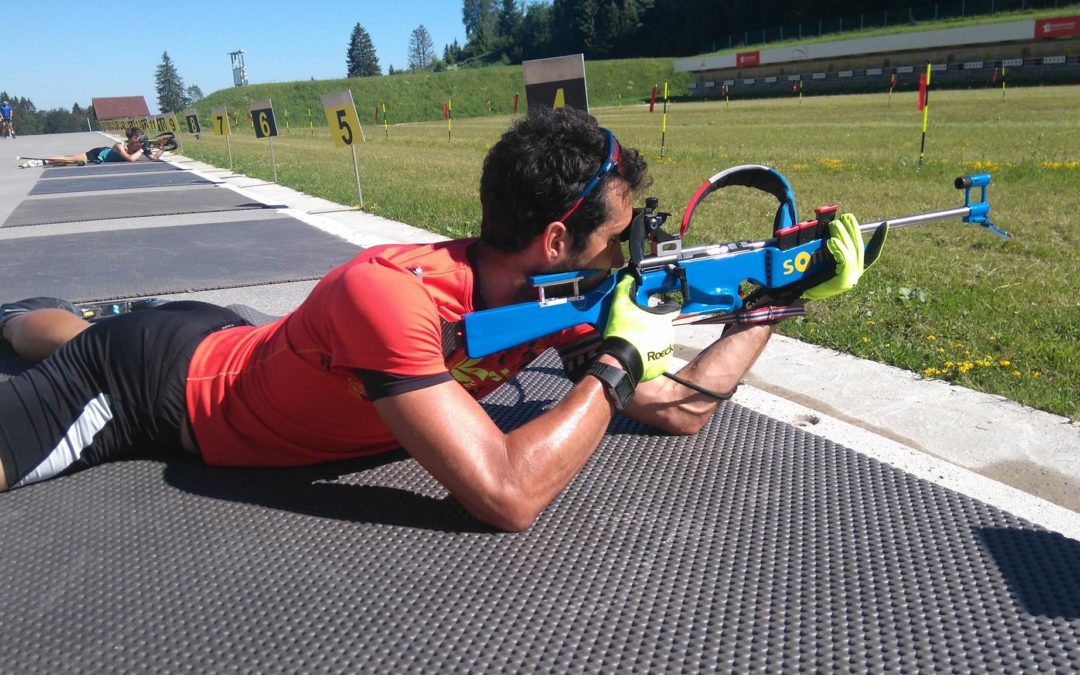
(626, 354)
(716, 396)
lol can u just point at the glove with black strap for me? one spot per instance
(640, 338)
(769, 306)
(845, 243)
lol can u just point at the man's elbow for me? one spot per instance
(506, 510)
(505, 519)
(682, 423)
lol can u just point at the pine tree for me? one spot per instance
(421, 49)
(170, 88)
(192, 94)
(360, 59)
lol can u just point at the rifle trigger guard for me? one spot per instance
(684, 287)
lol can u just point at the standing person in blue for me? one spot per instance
(6, 112)
(137, 146)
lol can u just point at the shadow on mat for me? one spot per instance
(11, 364)
(352, 490)
(1042, 569)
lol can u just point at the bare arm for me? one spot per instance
(669, 406)
(121, 150)
(504, 480)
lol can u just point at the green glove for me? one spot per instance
(641, 338)
(846, 245)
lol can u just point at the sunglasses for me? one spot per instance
(614, 156)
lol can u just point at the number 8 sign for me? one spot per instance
(341, 118)
(262, 115)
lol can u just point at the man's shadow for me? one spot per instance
(381, 489)
(361, 490)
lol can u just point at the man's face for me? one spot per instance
(603, 248)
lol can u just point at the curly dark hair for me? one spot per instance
(536, 171)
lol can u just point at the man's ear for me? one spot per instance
(556, 241)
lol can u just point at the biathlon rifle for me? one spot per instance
(708, 277)
(166, 141)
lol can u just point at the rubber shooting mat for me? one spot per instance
(198, 199)
(122, 181)
(160, 260)
(752, 546)
(106, 169)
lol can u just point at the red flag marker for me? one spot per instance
(652, 99)
(924, 106)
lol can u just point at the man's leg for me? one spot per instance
(67, 159)
(36, 335)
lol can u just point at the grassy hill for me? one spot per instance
(478, 92)
(958, 22)
(419, 97)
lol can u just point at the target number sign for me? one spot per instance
(192, 119)
(220, 117)
(262, 118)
(341, 118)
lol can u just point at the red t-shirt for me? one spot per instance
(289, 393)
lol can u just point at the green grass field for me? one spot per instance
(946, 300)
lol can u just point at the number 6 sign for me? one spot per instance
(262, 114)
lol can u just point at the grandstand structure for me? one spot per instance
(1034, 51)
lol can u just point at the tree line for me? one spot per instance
(29, 120)
(511, 31)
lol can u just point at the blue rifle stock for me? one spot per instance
(707, 277)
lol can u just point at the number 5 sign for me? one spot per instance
(343, 122)
(341, 118)
(262, 114)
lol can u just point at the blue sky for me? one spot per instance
(60, 53)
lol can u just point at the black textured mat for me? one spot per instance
(106, 169)
(106, 206)
(752, 546)
(122, 181)
(160, 260)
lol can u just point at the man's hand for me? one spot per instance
(640, 338)
(846, 245)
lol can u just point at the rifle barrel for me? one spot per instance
(919, 219)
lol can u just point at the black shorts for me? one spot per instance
(92, 155)
(114, 390)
